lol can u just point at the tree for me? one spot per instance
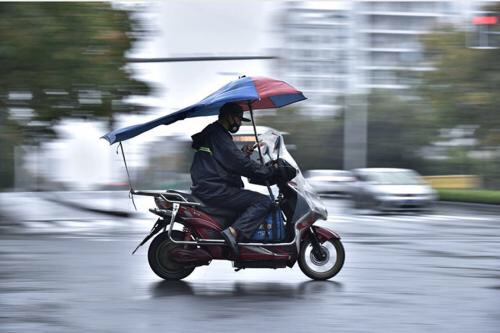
(317, 141)
(463, 92)
(60, 61)
(464, 87)
(397, 130)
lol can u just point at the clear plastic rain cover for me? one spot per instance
(307, 199)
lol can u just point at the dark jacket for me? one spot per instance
(218, 164)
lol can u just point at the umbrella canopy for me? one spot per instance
(260, 92)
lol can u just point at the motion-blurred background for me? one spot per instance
(409, 84)
(397, 89)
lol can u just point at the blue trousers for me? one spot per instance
(252, 208)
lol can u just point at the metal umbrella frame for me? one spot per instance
(250, 93)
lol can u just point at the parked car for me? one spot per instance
(330, 181)
(391, 189)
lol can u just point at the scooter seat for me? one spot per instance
(188, 196)
(224, 216)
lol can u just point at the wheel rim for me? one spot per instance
(321, 265)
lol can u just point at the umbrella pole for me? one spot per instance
(131, 192)
(258, 147)
(273, 199)
(255, 134)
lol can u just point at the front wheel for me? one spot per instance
(161, 263)
(322, 269)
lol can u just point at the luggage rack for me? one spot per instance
(163, 195)
(176, 205)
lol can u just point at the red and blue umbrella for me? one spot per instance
(252, 93)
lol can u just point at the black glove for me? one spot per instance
(284, 171)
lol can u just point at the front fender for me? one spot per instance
(323, 233)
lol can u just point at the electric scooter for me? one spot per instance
(187, 231)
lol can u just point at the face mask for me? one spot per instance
(234, 127)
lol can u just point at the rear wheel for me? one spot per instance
(161, 263)
(322, 269)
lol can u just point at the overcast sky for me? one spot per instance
(190, 28)
(182, 28)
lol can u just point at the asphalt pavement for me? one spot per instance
(71, 271)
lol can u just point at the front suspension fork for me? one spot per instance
(317, 249)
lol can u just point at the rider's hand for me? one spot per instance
(248, 149)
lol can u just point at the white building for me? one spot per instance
(388, 33)
(317, 51)
(337, 47)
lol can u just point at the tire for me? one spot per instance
(160, 263)
(322, 269)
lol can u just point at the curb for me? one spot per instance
(472, 205)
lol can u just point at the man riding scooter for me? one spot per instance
(284, 238)
(216, 173)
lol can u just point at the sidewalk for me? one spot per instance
(45, 206)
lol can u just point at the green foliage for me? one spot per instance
(58, 61)
(397, 129)
(317, 141)
(475, 196)
(463, 90)
(69, 57)
(464, 87)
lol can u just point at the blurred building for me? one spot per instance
(336, 47)
(389, 52)
(167, 162)
(318, 43)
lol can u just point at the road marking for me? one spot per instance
(101, 227)
(409, 218)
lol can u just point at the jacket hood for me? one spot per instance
(199, 139)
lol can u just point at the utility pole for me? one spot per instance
(355, 131)
(197, 59)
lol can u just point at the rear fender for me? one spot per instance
(159, 225)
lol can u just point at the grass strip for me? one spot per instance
(475, 196)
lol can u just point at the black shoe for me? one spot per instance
(229, 238)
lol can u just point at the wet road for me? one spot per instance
(437, 272)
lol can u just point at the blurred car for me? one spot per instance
(330, 181)
(391, 189)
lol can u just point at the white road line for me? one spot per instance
(477, 218)
(416, 218)
(37, 224)
(445, 217)
(79, 227)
